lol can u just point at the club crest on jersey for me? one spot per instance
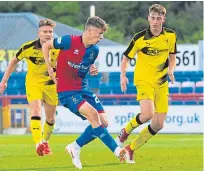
(59, 40)
(166, 41)
(76, 51)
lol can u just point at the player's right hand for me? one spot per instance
(123, 83)
(51, 74)
(3, 86)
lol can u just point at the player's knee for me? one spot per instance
(93, 115)
(146, 116)
(36, 111)
(105, 124)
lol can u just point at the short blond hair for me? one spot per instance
(96, 22)
(157, 8)
(47, 22)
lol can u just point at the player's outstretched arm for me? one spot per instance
(45, 49)
(11, 67)
(123, 79)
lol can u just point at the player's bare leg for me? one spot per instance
(147, 133)
(147, 111)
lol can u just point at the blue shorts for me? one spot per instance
(74, 99)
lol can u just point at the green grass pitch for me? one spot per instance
(165, 152)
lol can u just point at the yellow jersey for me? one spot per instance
(37, 69)
(152, 55)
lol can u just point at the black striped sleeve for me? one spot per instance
(132, 49)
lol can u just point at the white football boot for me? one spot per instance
(74, 151)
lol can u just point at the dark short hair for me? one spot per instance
(157, 8)
(96, 22)
(46, 22)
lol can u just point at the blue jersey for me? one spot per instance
(73, 62)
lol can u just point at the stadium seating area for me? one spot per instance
(186, 83)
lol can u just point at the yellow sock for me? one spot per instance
(36, 129)
(48, 128)
(142, 138)
(132, 124)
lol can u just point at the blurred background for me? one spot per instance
(19, 24)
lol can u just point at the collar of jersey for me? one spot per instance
(149, 34)
(37, 44)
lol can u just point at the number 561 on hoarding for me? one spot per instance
(109, 60)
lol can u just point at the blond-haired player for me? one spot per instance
(40, 89)
(156, 59)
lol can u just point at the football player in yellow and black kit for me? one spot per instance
(156, 60)
(39, 86)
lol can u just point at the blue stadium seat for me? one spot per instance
(1, 75)
(104, 88)
(105, 91)
(199, 89)
(22, 91)
(182, 79)
(93, 84)
(200, 102)
(134, 102)
(108, 103)
(130, 76)
(190, 102)
(16, 75)
(114, 77)
(178, 74)
(123, 102)
(115, 87)
(200, 74)
(20, 83)
(192, 74)
(189, 73)
(11, 83)
(176, 103)
(19, 101)
(187, 87)
(173, 90)
(195, 78)
(131, 89)
(186, 90)
(12, 91)
(114, 74)
(93, 81)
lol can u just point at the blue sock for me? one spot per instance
(104, 136)
(86, 137)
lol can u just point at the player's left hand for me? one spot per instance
(51, 74)
(171, 76)
(93, 70)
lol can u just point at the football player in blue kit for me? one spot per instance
(77, 54)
